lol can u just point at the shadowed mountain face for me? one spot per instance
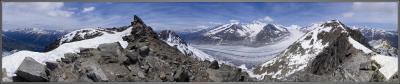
(32, 39)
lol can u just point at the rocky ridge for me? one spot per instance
(329, 52)
(146, 58)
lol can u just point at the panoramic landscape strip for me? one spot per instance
(200, 42)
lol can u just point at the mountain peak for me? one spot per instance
(333, 23)
(171, 36)
(140, 30)
(165, 34)
(137, 20)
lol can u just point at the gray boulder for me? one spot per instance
(114, 49)
(32, 70)
(51, 65)
(69, 57)
(214, 65)
(111, 52)
(144, 51)
(96, 74)
(133, 57)
(182, 75)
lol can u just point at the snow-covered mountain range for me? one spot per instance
(377, 34)
(34, 39)
(235, 33)
(383, 47)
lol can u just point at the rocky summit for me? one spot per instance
(330, 52)
(146, 58)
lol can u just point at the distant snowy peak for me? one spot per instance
(29, 30)
(383, 47)
(376, 34)
(293, 27)
(222, 28)
(80, 35)
(34, 39)
(380, 43)
(312, 50)
(233, 33)
(309, 27)
(34, 31)
(373, 30)
(249, 30)
(172, 39)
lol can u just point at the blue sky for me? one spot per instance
(186, 16)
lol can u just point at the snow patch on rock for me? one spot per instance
(389, 65)
(359, 46)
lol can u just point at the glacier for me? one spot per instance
(249, 56)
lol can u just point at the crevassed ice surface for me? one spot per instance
(250, 56)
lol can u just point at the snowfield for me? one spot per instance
(249, 56)
(389, 64)
(12, 62)
(198, 54)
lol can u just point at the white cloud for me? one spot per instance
(45, 8)
(293, 27)
(202, 26)
(51, 15)
(266, 19)
(348, 14)
(372, 12)
(88, 9)
(234, 21)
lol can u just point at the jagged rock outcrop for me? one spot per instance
(174, 40)
(146, 58)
